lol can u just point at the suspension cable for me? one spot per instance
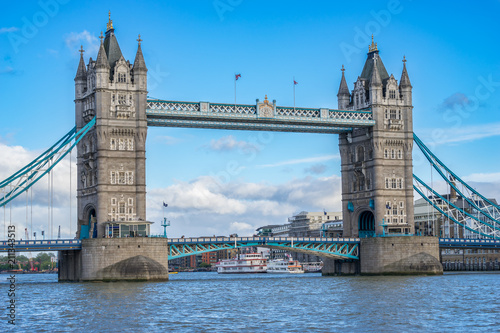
(31, 215)
(52, 203)
(48, 200)
(70, 193)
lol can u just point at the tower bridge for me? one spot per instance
(113, 112)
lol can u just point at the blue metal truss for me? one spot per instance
(451, 178)
(489, 223)
(27, 176)
(334, 248)
(247, 117)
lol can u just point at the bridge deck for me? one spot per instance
(249, 117)
(180, 247)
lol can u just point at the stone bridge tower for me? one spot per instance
(111, 157)
(377, 179)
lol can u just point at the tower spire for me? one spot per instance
(405, 79)
(343, 89)
(139, 63)
(81, 72)
(102, 59)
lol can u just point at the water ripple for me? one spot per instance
(201, 302)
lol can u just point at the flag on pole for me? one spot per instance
(236, 77)
(164, 204)
(294, 84)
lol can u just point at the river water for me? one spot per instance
(203, 302)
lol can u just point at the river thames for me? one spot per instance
(204, 302)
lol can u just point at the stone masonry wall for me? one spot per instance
(135, 259)
(400, 255)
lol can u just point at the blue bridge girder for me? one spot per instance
(469, 243)
(336, 248)
(41, 245)
(247, 117)
(333, 248)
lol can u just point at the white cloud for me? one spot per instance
(462, 133)
(18, 157)
(483, 177)
(167, 140)
(205, 207)
(242, 228)
(229, 143)
(316, 169)
(301, 161)
(6, 30)
(89, 42)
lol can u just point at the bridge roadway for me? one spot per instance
(264, 116)
(336, 248)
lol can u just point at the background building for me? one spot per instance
(310, 224)
(430, 222)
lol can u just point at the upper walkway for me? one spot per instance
(263, 116)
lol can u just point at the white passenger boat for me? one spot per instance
(312, 267)
(284, 266)
(243, 263)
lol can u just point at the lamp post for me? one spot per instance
(165, 224)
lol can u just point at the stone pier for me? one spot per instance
(116, 259)
(403, 255)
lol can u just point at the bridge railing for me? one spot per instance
(260, 239)
(469, 242)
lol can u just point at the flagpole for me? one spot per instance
(294, 93)
(235, 92)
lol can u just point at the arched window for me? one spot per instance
(360, 154)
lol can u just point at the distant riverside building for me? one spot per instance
(332, 229)
(209, 258)
(470, 260)
(304, 224)
(274, 230)
(430, 222)
(308, 224)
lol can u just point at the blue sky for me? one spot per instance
(194, 48)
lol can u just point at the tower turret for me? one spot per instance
(102, 67)
(405, 85)
(139, 70)
(343, 96)
(81, 76)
